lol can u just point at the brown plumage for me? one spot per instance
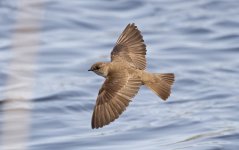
(124, 76)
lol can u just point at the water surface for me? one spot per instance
(196, 40)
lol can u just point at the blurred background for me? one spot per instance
(47, 95)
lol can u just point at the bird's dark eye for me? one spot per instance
(97, 67)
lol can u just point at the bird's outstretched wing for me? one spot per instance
(114, 96)
(130, 47)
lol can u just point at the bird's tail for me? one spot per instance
(160, 84)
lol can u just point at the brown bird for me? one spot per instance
(123, 77)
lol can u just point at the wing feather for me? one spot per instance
(113, 98)
(130, 47)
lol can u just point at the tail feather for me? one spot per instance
(160, 84)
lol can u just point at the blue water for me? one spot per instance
(196, 40)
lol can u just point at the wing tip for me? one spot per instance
(132, 24)
(100, 124)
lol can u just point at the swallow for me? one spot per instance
(124, 75)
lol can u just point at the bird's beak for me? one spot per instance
(90, 70)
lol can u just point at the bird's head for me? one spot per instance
(100, 68)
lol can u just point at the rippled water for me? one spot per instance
(197, 40)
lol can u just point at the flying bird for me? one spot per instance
(123, 77)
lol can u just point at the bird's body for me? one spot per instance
(123, 77)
